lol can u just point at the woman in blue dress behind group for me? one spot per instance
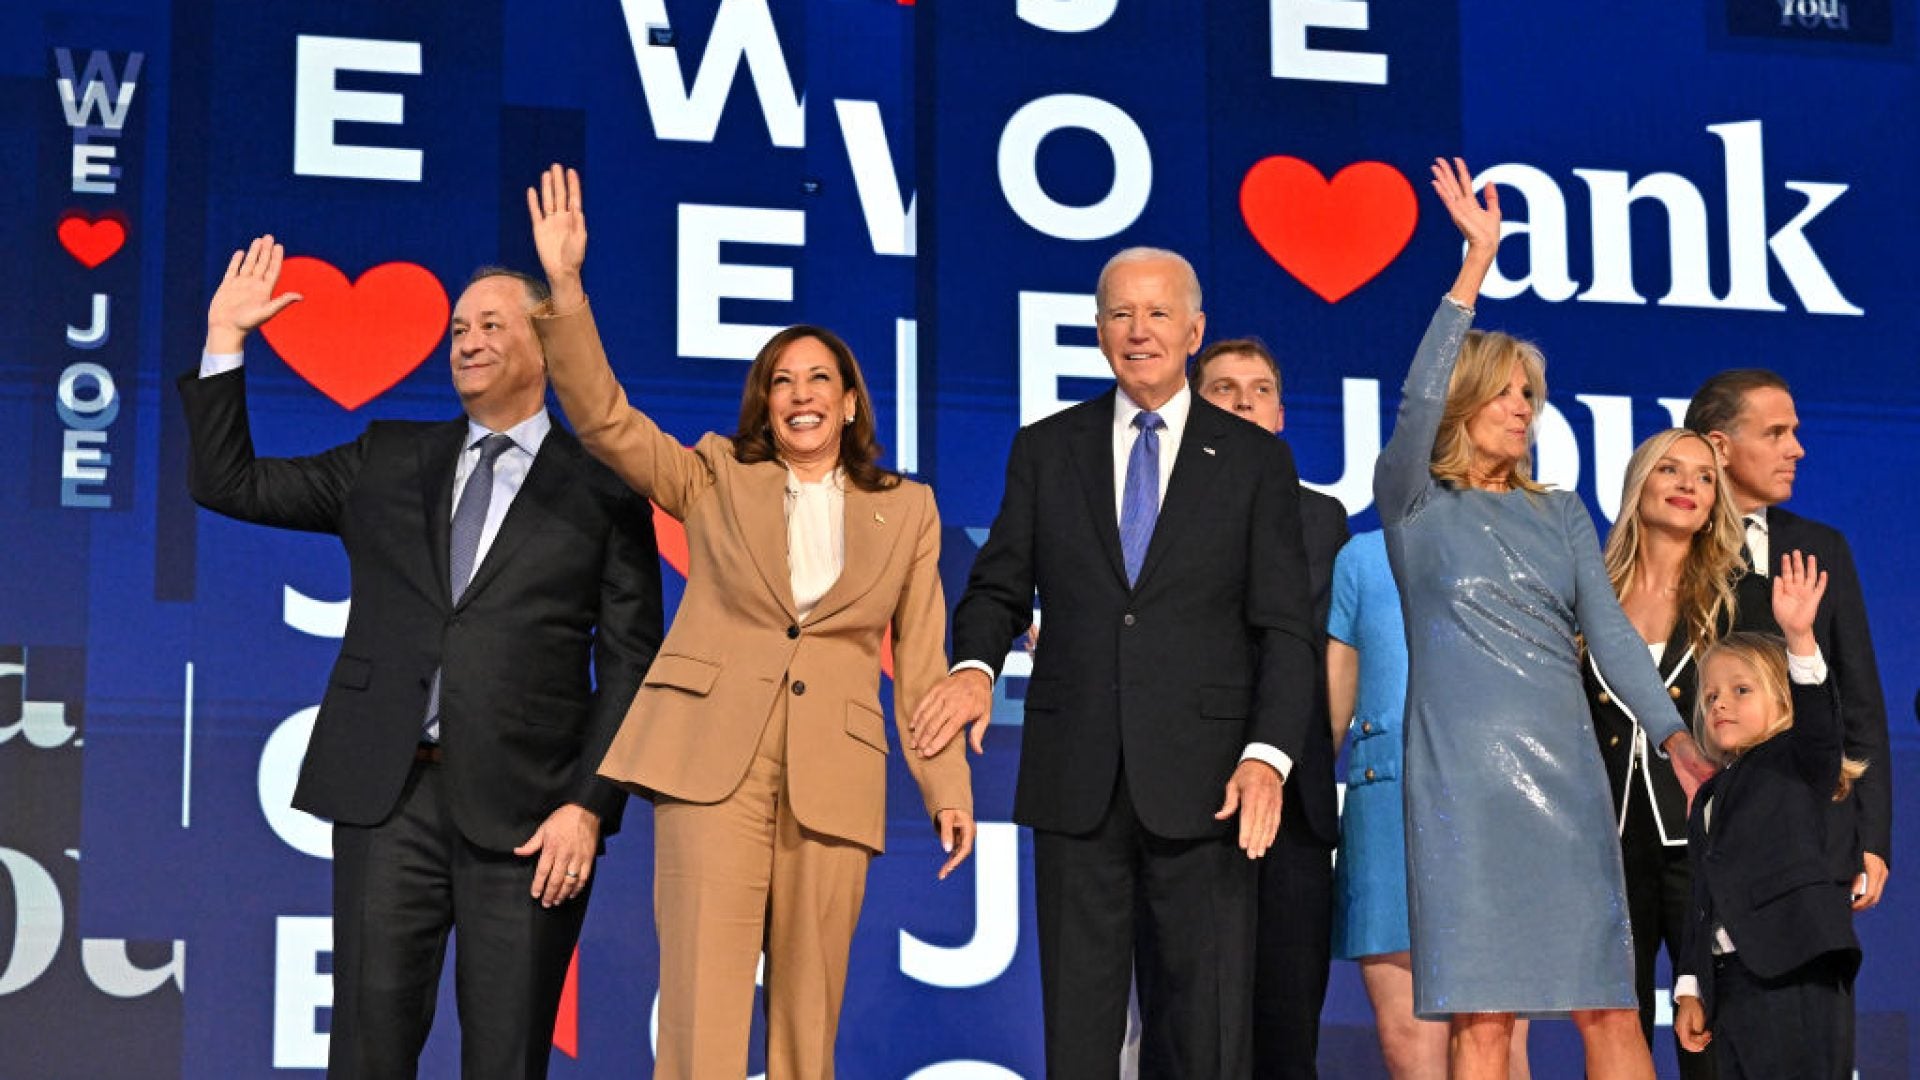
(1515, 894)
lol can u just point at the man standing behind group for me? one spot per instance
(1295, 938)
(1749, 417)
(1171, 692)
(506, 603)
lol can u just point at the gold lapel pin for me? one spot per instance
(879, 517)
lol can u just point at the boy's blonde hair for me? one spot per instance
(1766, 656)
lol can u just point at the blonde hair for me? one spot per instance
(1706, 598)
(1480, 375)
(1765, 655)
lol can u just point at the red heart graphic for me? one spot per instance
(91, 242)
(354, 341)
(1337, 235)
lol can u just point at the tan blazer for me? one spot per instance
(736, 643)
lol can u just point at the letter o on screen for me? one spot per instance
(1020, 180)
(279, 771)
(100, 404)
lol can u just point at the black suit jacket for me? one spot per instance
(1168, 679)
(1761, 870)
(1312, 808)
(539, 658)
(1840, 626)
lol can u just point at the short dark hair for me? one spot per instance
(1251, 346)
(1717, 405)
(537, 291)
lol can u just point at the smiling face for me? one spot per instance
(1244, 385)
(1681, 489)
(1499, 430)
(1762, 451)
(1737, 710)
(1148, 327)
(498, 369)
(807, 406)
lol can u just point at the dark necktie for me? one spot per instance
(463, 545)
(1140, 500)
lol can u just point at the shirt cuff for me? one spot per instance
(973, 665)
(212, 364)
(1686, 986)
(1807, 670)
(1457, 305)
(1270, 755)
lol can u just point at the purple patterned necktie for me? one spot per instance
(463, 546)
(1140, 502)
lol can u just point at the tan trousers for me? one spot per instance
(730, 879)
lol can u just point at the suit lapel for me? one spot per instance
(439, 451)
(1678, 647)
(554, 469)
(1195, 473)
(1091, 447)
(758, 499)
(869, 530)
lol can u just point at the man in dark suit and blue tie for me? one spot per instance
(1171, 692)
(506, 604)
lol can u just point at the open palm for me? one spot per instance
(245, 297)
(559, 222)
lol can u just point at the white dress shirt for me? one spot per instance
(509, 472)
(816, 537)
(1173, 414)
(1755, 524)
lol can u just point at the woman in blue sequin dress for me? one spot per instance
(1515, 895)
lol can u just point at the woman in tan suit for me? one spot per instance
(758, 732)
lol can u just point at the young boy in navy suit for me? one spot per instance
(1770, 954)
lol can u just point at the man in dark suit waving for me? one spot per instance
(1171, 691)
(1749, 417)
(506, 604)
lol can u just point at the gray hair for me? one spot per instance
(1146, 254)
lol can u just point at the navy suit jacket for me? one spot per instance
(539, 658)
(1161, 684)
(1762, 870)
(1840, 625)
(1312, 809)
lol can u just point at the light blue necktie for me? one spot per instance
(463, 545)
(1140, 502)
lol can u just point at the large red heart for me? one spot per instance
(91, 242)
(1337, 235)
(354, 341)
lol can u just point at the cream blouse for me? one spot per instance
(816, 537)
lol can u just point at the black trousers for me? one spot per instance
(398, 888)
(1659, 892)
(1796, 1027)
(1294, 951)
(1182, 910)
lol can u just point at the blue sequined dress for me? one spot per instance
(1515, 893)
